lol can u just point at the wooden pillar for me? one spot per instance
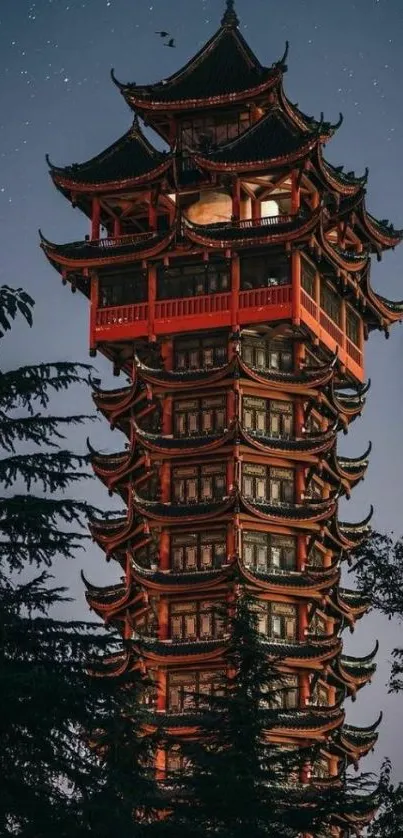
(236, 199)
(256, 208)
(301, 552)
(230, 475)
(167, 428)
(303, 621)
(304, 689)
(295, 193)
(299, 484)
(317, 291)
(95, 219)
(168, 353)
(164, 551)
(165, 477)
(296, 287)
(152, 212)
(232, 541)
(117, 228)
(231, 407)
(152, 295)
(94, 310)
(162, 690)
(299, 418)
(163, 620)
(235, 289)
(343, 322)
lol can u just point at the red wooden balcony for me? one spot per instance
(212, 311)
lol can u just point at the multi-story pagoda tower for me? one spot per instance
(229, 279)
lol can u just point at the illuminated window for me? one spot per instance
(264, 551)
(198, 551)
(194, 417)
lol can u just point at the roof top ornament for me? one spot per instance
(230, 17)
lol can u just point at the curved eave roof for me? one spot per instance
(346, 259)
(92, 254)
(306, 123)
(347, 404)
(273, 230)
(348, 535)
(208, 443)
(298, 515)
(381, 234)
(289, 582)
(308, 379)
(269, 143)
(388, 311)
(224, 71)
(170, 582)
(357, 671)
(128, 162)
(336, 179)
(298, 653)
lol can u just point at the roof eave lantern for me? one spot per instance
(230, 18)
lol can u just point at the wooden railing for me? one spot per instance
(257, 297)
(122, 314)
(309, 304)
(354, 352)
(188, 306)
(122, 241)
(331, 328)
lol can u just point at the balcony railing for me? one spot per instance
(191, 306)
(122, 241)
(119, 315)
(258, 297)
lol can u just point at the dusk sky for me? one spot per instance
(57, 98)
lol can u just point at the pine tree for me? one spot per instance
(237, 783)
(389, 822)
(53, 779)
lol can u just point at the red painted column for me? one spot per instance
(230, 475)
(163, 619)
(167, 415)
(168, 353)
(235, 289)
(236, 199)
(117, 229)
(295, 193)
(164, 551)
(93, 311)
(152, 294)
(165, 477)
(152, 212)
(95, 219)
(162, 690)
(304, 689)
(301, 552)
(299, 484)
(303, 622)
(296, 287)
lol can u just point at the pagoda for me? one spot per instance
(229, 279)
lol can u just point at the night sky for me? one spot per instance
(57, 97)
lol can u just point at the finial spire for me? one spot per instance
(230, 17)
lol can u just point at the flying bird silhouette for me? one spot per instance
(171, 43)
(163, 34)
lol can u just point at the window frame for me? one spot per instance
(203, 615)
(197, 542)
(268, 485)
(267, 542)
(189, 484)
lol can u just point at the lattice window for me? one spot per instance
(267, 484)
(330, 303)
(193, 552)
(268, 416)
(308, 276)
(192, 690)
(194, 417)
(193, 279)
(196, 621)
(264, 551)
(201, 353)
(117, 289)
(198, 484)
(283, 694)
(265, 355)
(353, 326)
(277, 620)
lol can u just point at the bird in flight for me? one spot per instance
(163, 34)
(171, 43)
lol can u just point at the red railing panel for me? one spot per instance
(309, 304)
(331, 328)
(119, 315)
(258, 297)
(353, 351)
(190, 306)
